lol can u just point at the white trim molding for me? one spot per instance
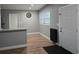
(45, 36)
(40, 34)
(13, 47)
(33, 33)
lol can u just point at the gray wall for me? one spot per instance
(55, 15)
(54, 18)
(45, 29)
(31, 24)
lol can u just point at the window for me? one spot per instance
(45, 18)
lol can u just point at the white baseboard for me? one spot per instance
(13, 47)
(40, 34)
(32, 33)
(45, 36)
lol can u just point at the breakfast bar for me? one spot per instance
(12, 38)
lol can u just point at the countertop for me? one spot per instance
(11, 30)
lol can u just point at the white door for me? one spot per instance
(13, 21)
(67, 28)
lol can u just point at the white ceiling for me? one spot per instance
(22, 6)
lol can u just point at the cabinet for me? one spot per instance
(69, 28)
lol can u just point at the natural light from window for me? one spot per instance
(44, 18)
